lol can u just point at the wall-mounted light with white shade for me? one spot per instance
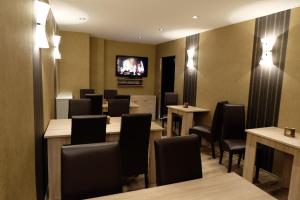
(41, 13)
(56, 42)
(190, 55)
(267, 47)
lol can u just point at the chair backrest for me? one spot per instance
(110, 94)
(217, 121)
(170, 98)
(96, 103)
(233, 122)
(117, 107)
(88, 129)
(121, 96)
(79, 107)
(90, 170)
(134, 143)
(177, 159)
(83, 92)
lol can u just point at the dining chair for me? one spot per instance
(122, 96)
(79, 107)
(117, 107)
(83, 92)
(170, 98)
(211, 134)
(88, 129)
(96, 103)
(134, 144)
(110, 94)
(177, 159)
(90, 170)
(233, 138)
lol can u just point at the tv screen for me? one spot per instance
(132, 66)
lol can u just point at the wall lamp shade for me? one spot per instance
(56, 42)
(190, 55)
(267, 47)
(41, 13)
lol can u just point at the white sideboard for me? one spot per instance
(146, 103)
(62, 104)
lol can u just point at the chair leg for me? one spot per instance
(213, 149)
(256, 174)
(240, 158)
(221, 156)
(146, 180)
(230, 161)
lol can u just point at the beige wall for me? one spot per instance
(74, 67)
(97, 64)
(17, 164)
(225, 65)
(48, 74)
(290, 97)
(173, 48)
(114, 48)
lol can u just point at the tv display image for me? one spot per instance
(132, 66)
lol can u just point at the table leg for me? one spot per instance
(187, 123)
(54, 166)
(152, 166)
(250, 157)
(294, 193)
(169, 123)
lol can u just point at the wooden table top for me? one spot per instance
(225, 187)
(188, 109)
(62, 127)
(276, 134)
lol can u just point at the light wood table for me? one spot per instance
(187, 115)
(58, 134)
(274, 137)
(133, 107)
(225, 187)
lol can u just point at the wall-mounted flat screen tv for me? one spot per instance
(131, 66)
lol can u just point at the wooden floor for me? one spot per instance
(211, 167)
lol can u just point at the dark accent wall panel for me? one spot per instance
(190, 74)
(266, 81)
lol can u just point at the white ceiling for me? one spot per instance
(127, 20)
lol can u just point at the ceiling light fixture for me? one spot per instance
(140, 37)
(82, 18)
(161, 29)
(195, 17)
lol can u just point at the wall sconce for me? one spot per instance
(41, 13)
(56, 42)
(267, 47)
(190, 55)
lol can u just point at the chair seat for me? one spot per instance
(235, 144)
(202, 131)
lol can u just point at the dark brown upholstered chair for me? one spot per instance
(96, 103)
(90, 170)
(233, 137)
(79, 107)
(110, 94)
(211, 134)
(88, 129)
(134, 143)
(83, 92)
(177, 159)
(117, 107)
(170, 98)
(119, 96)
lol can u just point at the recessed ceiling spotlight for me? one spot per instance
(195, 17)
(161, 29)
(140, 37)
(82, 18)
